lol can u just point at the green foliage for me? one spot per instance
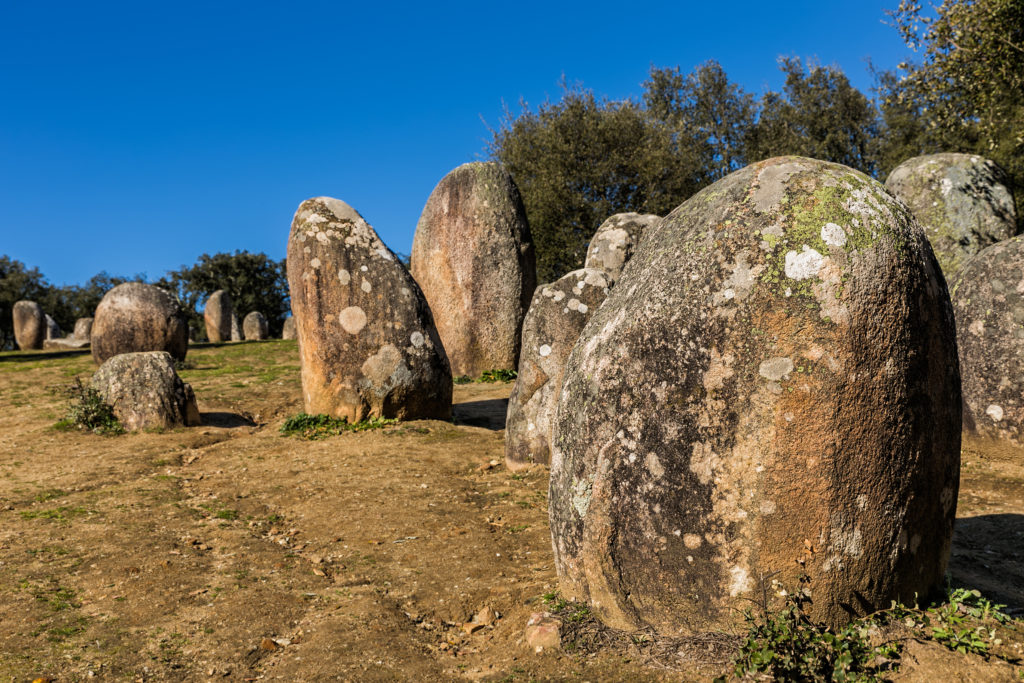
(498, 376)
(966, 94)
(786, 645)
(314, 427)
(88, 411)
(566, 609)
(254, 281)
(818, 115)
(956, 621)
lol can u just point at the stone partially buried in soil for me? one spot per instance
(988, 298)
(135, 317)
(553, 324)
(472, 255)
(29, 325)
(961, 201)
(770, 391)
(254, 327)
(218, 316)
(615, 241)
(367, 339)
(146, 392)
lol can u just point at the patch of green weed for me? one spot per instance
(322, 426)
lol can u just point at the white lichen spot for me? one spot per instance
(582, 308)
(803, 265)
(352, 319)
(417, 339)
(363, 268)
(776, 369)
(788, 292)
(862, 502)
(406, 291)
(740, 581)
(559, 295)
(995, 412)
(946, 186)
(833, 235)
(344, 277)
(366, 286)
(544, 350)
(573, 304)
(654, 466)
(530, 427)
(767, 507)
(977, 328)
(581, 490)
(384, 254)
(692, 541)
(677, 532)
(315, 263)
(322, 238)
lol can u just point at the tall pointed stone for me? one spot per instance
(473, 257)
(367, 340)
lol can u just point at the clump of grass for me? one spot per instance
(322, 426)
(87, 411)
(488, 377)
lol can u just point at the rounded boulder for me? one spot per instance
(29, 325)
(769, 391)
(255, 327)
(961, 201)
(288, 330)
(472, 255)
(367, 339)
(145, 391)
(83, 329)
(557, 314)
(135, 317)
(988, 298)
(217, 314)
(615, 241)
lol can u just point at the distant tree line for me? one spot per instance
(255, 282)
(583, 158)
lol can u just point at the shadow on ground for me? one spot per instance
(489, 413)
(988, 554)
(225, 420)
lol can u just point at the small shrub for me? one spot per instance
(322, 426)
(463, 379)
(88, 411)
(499, 376)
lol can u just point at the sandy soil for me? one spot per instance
(229, 551)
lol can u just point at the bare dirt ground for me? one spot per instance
(231, 552)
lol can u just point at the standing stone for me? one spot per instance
(236, 328)
(218, 316)
(770, 390)
(83, 329)
(367, 340)
(255, 326)
(473, 256)
(146, 392)
(615, 241)
(961, 201)
(134, 317)
(553, 324)
(52, 328)
(288, 331)
(988, 299)
(29, 325)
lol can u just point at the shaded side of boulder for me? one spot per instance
(219, 316)
(134, 317)
(473, 256)
(52, 328)
(988, 298)
(83, 329)
(236, 327)
(770, 390)
(615, 241)
(557, 314)
(146, 392)
(288, 330)
(367, 339)
(961, 200)
(255, 327)
(29, 325)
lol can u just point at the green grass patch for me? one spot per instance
(322, 426)
(488, 377)
(58, 514)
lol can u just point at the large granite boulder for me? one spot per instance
(83, 329)
(255, 327)
(146, 392)
(557, 314)
(616, 239)
(770, 390)
(472, 255)
(52, 328)
(367, 340)
(29, 325)
(988, 299)
(961, 201)
(218, 316)
(288, 330)
(136, 317)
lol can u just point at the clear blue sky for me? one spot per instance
(136, 136)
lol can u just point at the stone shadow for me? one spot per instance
(225, 420)
(489, 414)
(988, 554)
